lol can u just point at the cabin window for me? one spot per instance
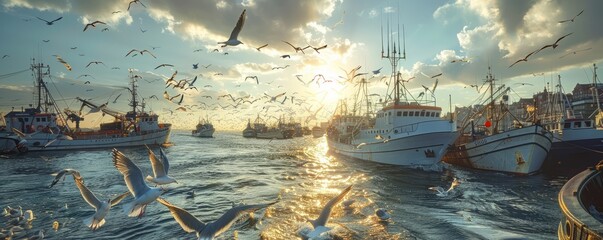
(411, 114)
(587, 124)
(396, 131)
(417, 113)
(389, 113)
(399, 113)
(20, 119)
(578, 124)
(567, 125)
(37, 119)
(27, 119)
(423, 114)
(438, 114)
(405, 113)
(432, 114)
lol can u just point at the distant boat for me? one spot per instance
(204, 129)
(317, 132)
(581, 205)
(45, 126)
(518, 149)
(249, 132)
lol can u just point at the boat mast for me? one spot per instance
(397, 54)
(595, 88)
(490, 114)
(42, 91)
(134, 101)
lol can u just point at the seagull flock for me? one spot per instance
(184, 85)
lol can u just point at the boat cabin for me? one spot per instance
(31, 120)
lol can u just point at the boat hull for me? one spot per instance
(415, 150)
(47, 142)
(249, 133)
(206, 133)
(573, 151)
(520, 151)
(581, 208)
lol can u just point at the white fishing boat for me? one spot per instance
(518, 149)
(45, 127)
(406, 131)
(204, 129)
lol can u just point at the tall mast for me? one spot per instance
(43, 100)
(595, 87)
(490, 80)
(134, 101)
(394, 58)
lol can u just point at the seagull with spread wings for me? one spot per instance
(50, 22)
(253, 77)
(101, 208)
(93, 24)
(191, 224)
(232, 40)
(135, 1)
(143, 194)
(160, 168)
(164, 65)
(555, 44)
(572, 20)
(320, 223)
(141, 52)
(260, 47)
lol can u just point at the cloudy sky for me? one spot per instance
(458, 39)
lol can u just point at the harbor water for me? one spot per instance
(300, 174)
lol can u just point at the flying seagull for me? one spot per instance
(164, 65)
(232, 40)
(572, 20)
(554, 45)
(143, 194)
(320, 223)
(440, 190)
(92, 24)
(260, 47)
(135, 1)
(63, 62)
(297, 49)
(141, 52)
(160, 168)
(51, 22)
(95, 62)
(525, 59)
(102, 208)
(63, 173)
(190, 223)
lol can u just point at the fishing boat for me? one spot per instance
(249, 132)
(577, 142)
(518, 148)
(581, 205)
(317, 132)
(45, 127)
(204, 129)
(406, 131)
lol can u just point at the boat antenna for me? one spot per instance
(394, 59)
